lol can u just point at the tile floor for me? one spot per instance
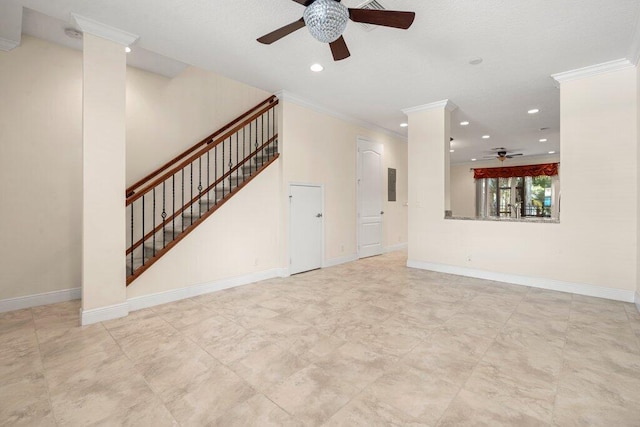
(367, 343)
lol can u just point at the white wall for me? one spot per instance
(594, 245)
(40, 168)
(167, 116)
(463, 191)
(322, 149)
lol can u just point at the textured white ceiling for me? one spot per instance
(522, 42)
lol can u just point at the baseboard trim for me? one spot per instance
(102, 314)
(638, 301)
(395, 248)
(332, 262)
(151, 300)
(29, 301)
(534, 282)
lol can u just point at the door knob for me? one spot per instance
(381, 212)
(319, 215)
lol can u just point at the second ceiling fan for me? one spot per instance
(327, 20)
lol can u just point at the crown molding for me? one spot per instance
(7, 45)
(88, 25)
(445, 104)
(287, 96)
(592, 70)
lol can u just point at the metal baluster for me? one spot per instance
(182, 182)
(268, 126)
(191, 186)
(275, 117)
(230, 164)
(153, 236)
(143, 254)
(251, 159)
(208, 184)
(173, 216)
(215, 172)
(132, 237)
(237, 158)
(164, 215)
(256, 144)
(223, 168)
(244, 148)
(199, 186)
(262, 142)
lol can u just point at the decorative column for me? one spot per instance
(428, 151)
(103, 171)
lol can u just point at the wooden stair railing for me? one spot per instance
(169, 203)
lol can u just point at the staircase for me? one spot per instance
(166, 205)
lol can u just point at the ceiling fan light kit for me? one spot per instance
(327, 20)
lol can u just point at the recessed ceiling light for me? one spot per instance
(533, 111)
(316, 68)
(486, 136)
(452, 151)
(127, 49)
(464, 123)
(552, 152)
(543, 140)
(475, 61)
(473, 160)
(404, 125)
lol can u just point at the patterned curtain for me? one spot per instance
(549, 169)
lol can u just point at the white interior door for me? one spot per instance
(306, 235)
(370, 199)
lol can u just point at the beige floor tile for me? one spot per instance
(64, 314)
(175, 367)
(267, 366)
(62, 345)
(257, 411)
(226, 340)
(367, 410)
(95, 388)
(24, 401)
(311, 344)
(312, 395)
(208, 396)
(184, 313)
(448, 357)
(414, 392)
(364, 343)
(387, 339)
(149, 412)
(474, 324)
(472, 409)
(15, 321)
(356, 364)
(19, 354)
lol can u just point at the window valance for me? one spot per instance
(548, 169)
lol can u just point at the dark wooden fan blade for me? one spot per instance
(304, 2)
(386, 18)
(339, 49)
(276, 35)
(513, 155)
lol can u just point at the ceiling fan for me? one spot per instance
(502, 154)
(327, 20)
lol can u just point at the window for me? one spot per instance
(523, 196)
(504, 193)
